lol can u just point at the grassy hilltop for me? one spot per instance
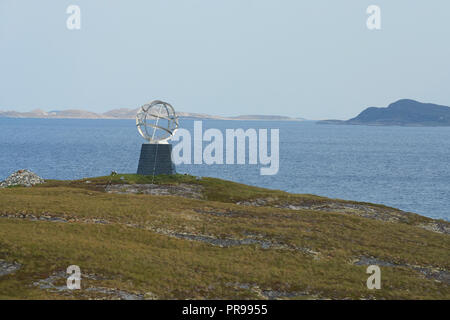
(179, 237)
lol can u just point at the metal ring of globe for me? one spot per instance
(149, 118)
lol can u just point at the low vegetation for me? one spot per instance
(183, 237)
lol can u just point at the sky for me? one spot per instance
(314, 59)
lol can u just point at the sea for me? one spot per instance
(403, 167)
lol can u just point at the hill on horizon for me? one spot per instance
(126, 113)
(404, 112)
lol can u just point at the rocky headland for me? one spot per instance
(404, 112)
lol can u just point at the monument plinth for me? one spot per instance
(156, 159)
(157, 123)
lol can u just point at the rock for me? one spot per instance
(22, 178)
(8, 267)
(181, 190)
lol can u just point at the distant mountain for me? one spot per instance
(68, 114)
(401, 113)
(125, 113)
(122, 113)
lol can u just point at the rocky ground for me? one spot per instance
(180, 190)
(8, 267)
(366, 210)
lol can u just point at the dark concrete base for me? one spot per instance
(156, 159)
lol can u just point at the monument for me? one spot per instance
(157, 123)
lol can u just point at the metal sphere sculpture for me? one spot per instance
(157, 122)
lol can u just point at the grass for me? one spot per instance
(136, 248)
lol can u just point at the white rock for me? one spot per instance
(22, 178)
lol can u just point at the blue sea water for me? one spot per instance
(403, 167)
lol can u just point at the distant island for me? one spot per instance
(125, 113)
(404, 112)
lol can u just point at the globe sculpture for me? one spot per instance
(156, 122)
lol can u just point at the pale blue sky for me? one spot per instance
(313, 59)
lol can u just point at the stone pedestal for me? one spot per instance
(156, 159)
